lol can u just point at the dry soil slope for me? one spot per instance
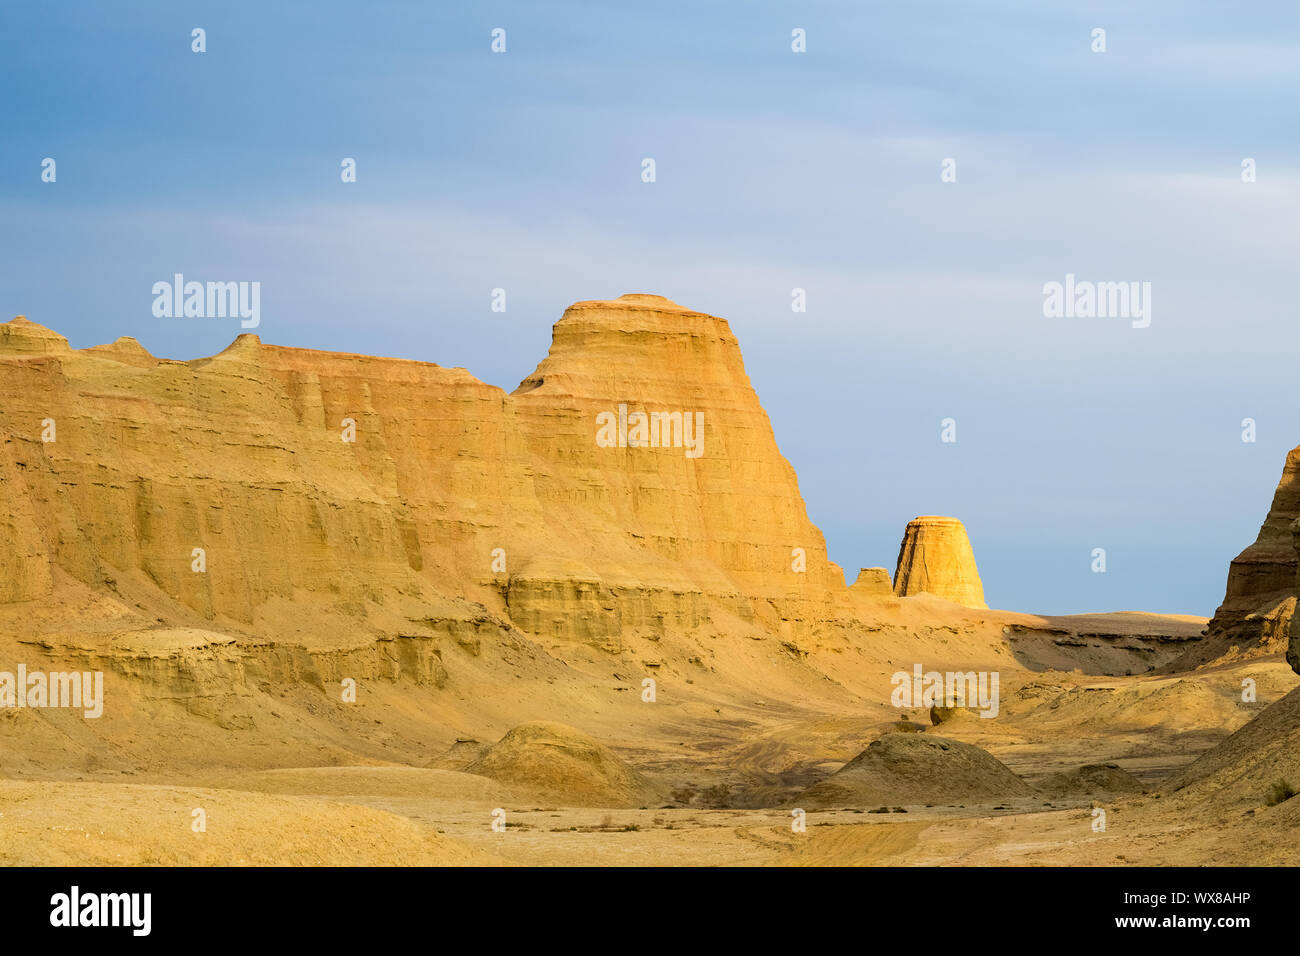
(1242, 768)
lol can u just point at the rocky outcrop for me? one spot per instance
(873, 582)
(565, 600)
(1259, 600)
(22, 337)
(936, 558)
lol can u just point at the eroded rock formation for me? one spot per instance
(936, 558)
(873, 582)
(1260, 598)
(268, 489)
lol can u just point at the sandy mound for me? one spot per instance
(1092, 780)
(902, 769)
(556, 762)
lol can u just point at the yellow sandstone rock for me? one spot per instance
(271, 489)
(873, 581)
(936, 558)
(21, 337)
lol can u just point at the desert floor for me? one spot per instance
(727, 788)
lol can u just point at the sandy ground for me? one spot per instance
(381, 814)
(107, 824)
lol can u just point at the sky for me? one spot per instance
(774, 170)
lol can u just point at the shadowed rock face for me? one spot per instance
(1293, 642)
(936, 558)
(1259, 600)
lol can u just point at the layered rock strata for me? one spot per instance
(631, 485)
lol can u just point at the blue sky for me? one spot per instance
(775, 170)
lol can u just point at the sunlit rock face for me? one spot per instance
(373, 490)
(936, 558)
(873, 582)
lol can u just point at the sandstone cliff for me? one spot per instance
(375, 492)
(1260, 598)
